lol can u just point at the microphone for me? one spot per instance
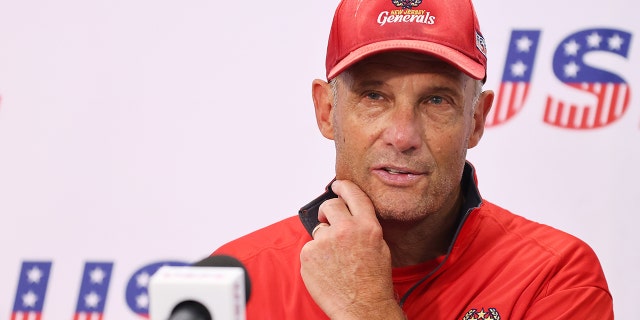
(216, 287)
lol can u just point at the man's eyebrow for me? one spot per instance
(444, 89)
(366, 84)
(369, 83)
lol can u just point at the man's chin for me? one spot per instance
(401, 214)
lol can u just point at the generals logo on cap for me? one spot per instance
(407, 4)
(406, 14)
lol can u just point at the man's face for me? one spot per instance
(402, 125)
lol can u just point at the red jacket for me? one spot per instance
(500, 266)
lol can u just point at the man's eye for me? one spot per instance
(374, 96)
(436, 100)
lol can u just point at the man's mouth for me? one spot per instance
(398, 176)
(400, 171)
(395, 171)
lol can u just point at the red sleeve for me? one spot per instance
(576, 290)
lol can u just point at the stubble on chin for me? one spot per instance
(406, 207)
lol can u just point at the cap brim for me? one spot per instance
(452, 56)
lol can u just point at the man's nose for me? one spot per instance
(403, 129)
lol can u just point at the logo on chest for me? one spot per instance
(490, 314)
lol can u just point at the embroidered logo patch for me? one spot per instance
(407, 13)
(481, 44)
(407, 4)
(490, 314)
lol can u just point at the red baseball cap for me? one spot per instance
(446, 29)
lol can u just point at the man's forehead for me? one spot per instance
(401, 61)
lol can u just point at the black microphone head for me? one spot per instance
(227, 261)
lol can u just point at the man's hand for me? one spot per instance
(347, 267)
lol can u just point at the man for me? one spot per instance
(402, 232)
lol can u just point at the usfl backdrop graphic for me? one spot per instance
(137, 133)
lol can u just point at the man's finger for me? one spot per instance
(320, 225)
(356, 200)
(333, 211)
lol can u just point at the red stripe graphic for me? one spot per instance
(18, 315)
(612, 100)
(88, 316)
(509, 102)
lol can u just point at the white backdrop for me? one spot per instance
(136, 132)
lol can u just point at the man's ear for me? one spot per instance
(323, 103)
(479, 117)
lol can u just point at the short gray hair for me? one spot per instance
(333, 83)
